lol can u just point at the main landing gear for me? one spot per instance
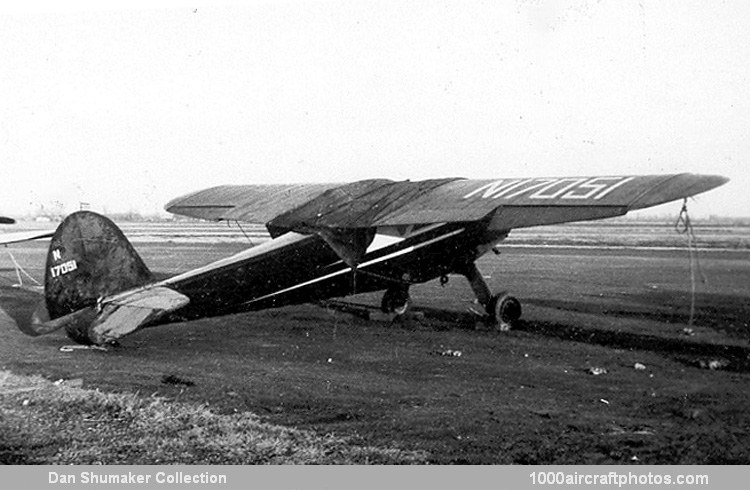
(502, 309)
(396, 300)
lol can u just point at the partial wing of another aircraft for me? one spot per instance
(329, 240)
(21, 236)
(24, 236)
(17, 237)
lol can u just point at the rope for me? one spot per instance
(20, 270)
(683, 226)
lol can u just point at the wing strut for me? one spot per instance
(243, 232)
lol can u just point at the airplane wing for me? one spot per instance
(23, 236)
(249, 203)
(507, 203)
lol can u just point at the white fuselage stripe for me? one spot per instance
(397, 253)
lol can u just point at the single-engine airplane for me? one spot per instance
(328, 240)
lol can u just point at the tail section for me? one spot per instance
(89, 259)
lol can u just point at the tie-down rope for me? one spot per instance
(20, 270)
(683, 226)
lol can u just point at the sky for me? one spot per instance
(128, 106)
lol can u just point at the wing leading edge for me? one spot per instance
(249, 203)
(508, 203)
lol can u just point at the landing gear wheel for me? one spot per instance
(396, 301)
(504, 309)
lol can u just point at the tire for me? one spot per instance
(395, 301)
(504, 308)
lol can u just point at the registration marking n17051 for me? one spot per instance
(593, 188)
(64, 268)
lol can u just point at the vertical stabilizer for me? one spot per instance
(89, 258)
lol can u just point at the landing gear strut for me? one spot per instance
(501, 308)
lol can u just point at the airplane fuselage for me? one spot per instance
(296, 268)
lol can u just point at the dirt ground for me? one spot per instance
(525, 396)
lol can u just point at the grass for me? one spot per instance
(43, 422)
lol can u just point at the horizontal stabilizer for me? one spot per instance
(126, 312)
(42, 325)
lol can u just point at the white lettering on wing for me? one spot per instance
(613, 187)
(495, 189)
(543, 192)
(593, 186)
(581, 188)
(543, 183)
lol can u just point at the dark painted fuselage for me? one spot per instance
(296, 268)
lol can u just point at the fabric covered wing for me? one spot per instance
(516, 203)
(507, 203)
(249, 203)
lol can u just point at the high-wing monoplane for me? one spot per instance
(328, 240)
